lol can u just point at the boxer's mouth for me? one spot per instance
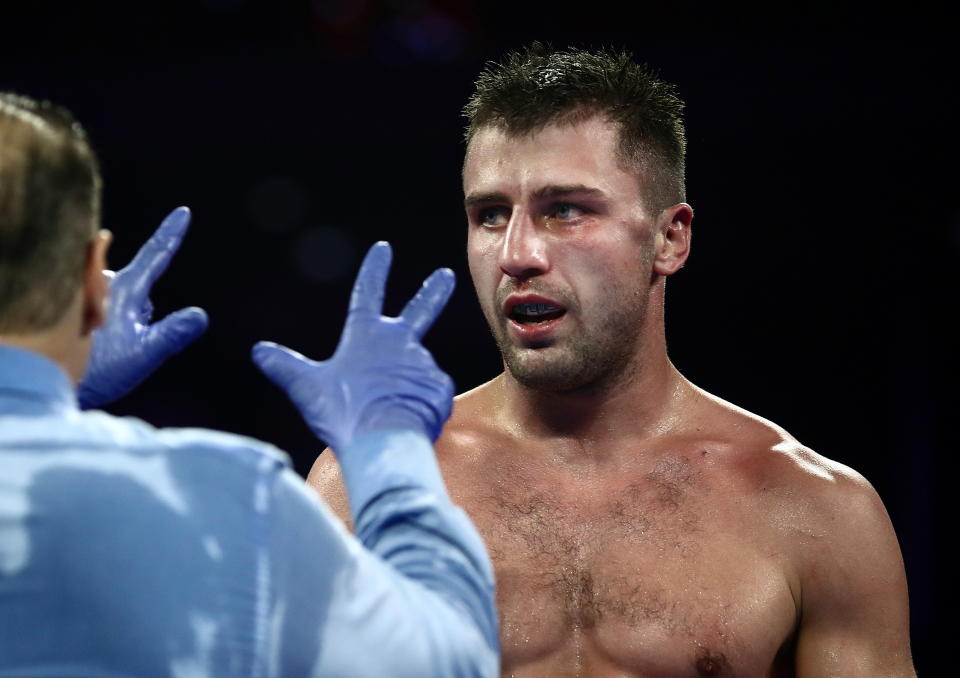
(530, 311)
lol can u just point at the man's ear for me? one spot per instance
(672, 242)
(96, 283)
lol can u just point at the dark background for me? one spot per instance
(821, 146)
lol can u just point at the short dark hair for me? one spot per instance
(49, 211)
(538, 86)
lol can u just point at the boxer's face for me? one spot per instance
(560, 248)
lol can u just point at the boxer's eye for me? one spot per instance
(566, 211)
(493, 217)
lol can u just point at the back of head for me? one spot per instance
(540, 86)
(49, 211)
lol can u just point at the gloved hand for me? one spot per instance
(127, 348)
(380, 377)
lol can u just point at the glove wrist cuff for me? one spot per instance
(389, 459)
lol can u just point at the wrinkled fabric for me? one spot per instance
(127, 550)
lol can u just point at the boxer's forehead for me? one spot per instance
(582, 153)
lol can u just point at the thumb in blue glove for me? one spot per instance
(380, 377)
(128, 348)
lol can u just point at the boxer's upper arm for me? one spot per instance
(326, 480)
(854, 611)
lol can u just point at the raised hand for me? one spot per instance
(380, 376)
(128, 348)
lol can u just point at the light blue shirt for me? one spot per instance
(127, 550)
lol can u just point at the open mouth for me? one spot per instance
(535, 313)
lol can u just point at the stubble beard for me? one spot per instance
(594, 358)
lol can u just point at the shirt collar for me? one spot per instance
(31, 375)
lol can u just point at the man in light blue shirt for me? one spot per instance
(127, 550)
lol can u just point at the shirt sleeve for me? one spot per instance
(411, 595)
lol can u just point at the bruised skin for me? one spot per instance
(684, 554)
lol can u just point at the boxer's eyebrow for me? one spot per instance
(475, 199)
(560, 191)
(550, 191)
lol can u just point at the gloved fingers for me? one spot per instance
(155, 255)
(422, 310)
(367, 295)
(174, 333)
(281, 364)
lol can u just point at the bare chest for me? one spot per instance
(656, 573)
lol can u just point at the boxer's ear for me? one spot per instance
(672, 240)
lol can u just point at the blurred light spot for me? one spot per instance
(431, 36)
(324, 254)
(435, 37)
(278, 204)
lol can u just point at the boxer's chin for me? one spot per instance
(566, 366)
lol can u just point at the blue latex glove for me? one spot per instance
(380, 377)
(128, 348)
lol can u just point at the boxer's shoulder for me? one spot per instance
(466, 437)
(777, 460)
(805, 496)
(326, 480)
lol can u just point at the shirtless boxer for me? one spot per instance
(638, 525)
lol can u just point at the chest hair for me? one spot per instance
(589, 549)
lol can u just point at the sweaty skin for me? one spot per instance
(638, 525)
